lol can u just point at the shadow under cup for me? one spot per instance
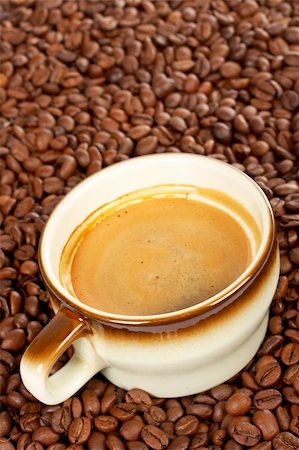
(172, 354)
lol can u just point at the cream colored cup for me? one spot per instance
(169, 355)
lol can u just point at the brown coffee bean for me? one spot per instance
(5, 424)
(97, 441)
(45, 436)
(283, 418)
(105, 424)
(246, 434)
(140, 398)
(199, 440)
(53, 185)
(154, 437)
(294, 425)
(14, 340)
(222, 132)
(233, 445)
(98, 386)
(168, 428)
(6, 326)
(267, 399)
(285, 441)
(23, 441)
(267, 423)
(79, 430)
(146, 145)
(139, 132)
(6, 444)
(262, 446)
(131, 429)
(222, 392)
(268, 375)
(57, 446)
(230, 70)
(238, 404)
(31, 305)
(201, 410)
(35, 446)
(290, 100)
(179, 443)
(60, 420)
(290, 354)
(107, 402)
(91, 403)
(123, 411)
(291, 395)
(186, 426)
(29, 422)
(114, 443)
(155, 416)
(162, 85)
(230, 422)
(290, 374)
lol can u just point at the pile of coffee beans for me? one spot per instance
(87, 83)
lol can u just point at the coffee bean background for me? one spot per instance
(87, 83)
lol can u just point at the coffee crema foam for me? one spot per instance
(157, 250)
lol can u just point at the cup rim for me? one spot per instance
(204, 308)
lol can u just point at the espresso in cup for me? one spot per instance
(156, 250)
(162, 267)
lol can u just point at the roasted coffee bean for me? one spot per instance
(114, 443)
(96, 441)
(107, 401)
(154, 437)
(267, 423)
(57, 446)
(60, 420)
(222, 392)
(199, 440)
(79, 430)
(5, 423)
(106, 424)
(155, 415)
(98, 386)
(246, 434)
(290, 354)
(231, 422)
(6, 444)
(179, 443)
(91, 404)
(238, 404)
(233, 445)
(35, 446)
(268, 375)
(283, 418)
(123, 411)
(186, 426)
(200, 410)
(29, 422)
(285, 441)
(14, 341)
(131, 429)
(45, 436)
(139, 398)
(267, 399)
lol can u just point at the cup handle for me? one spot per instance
(39, 358)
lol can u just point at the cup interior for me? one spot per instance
(144, 172)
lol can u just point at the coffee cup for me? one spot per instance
(165, 340)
